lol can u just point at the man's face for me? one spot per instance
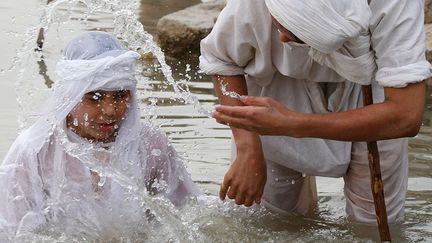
(99, 114)
(284, 34)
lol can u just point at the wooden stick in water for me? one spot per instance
(376, 180)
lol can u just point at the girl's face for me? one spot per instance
(99, 114)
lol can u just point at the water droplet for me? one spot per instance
(156, 152)
(75, 122)
(231, 94)
(102, 181)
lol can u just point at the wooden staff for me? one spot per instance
(376, 180)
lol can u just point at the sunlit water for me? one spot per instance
(203, 143)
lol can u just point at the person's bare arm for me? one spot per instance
(246, 177)
(398, 116)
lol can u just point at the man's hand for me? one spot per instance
(386, 120)
(261, 115)
(246, 178)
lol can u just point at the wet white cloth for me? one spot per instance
(244, 42)
(53, 176)
(325, 25)
(336, 30)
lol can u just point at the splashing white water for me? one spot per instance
(231, 94)
(126, 27)
(131, 32)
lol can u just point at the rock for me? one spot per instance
(428, 11)
(152, 10)
(181, 32)
(428, 30)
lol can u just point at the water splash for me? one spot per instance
(131, 32)
(231, 94)
(160, 207)
(217, 220)
(126, 27)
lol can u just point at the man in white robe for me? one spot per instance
(316, 104)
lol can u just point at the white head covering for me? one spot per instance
(336, 31)
(49, 157)
(92, 61)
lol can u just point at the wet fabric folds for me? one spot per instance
(53, 176)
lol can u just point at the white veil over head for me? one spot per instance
(336, 30)
(92, 61)
(92, 45)
(46, 173)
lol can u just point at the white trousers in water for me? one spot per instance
(287, 191)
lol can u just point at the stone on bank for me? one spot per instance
(180, 33)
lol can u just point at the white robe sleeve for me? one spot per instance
(398, 39)
(168, 174)
(239, 43)
(21, 199)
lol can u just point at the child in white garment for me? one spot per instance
(88, 159)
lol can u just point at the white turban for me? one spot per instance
(91, 61)
(336, 31)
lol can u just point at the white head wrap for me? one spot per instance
(106, 66)
(49, 158)
(336, 31)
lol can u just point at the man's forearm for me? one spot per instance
(243, 139)
(398, 116)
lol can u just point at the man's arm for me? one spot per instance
(398, 116)
(246, 177)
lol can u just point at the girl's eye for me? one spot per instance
(121, 94)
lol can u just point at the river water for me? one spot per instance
(203, 142)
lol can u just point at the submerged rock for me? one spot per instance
(182, 31)
(428, 11)
(428, 29)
